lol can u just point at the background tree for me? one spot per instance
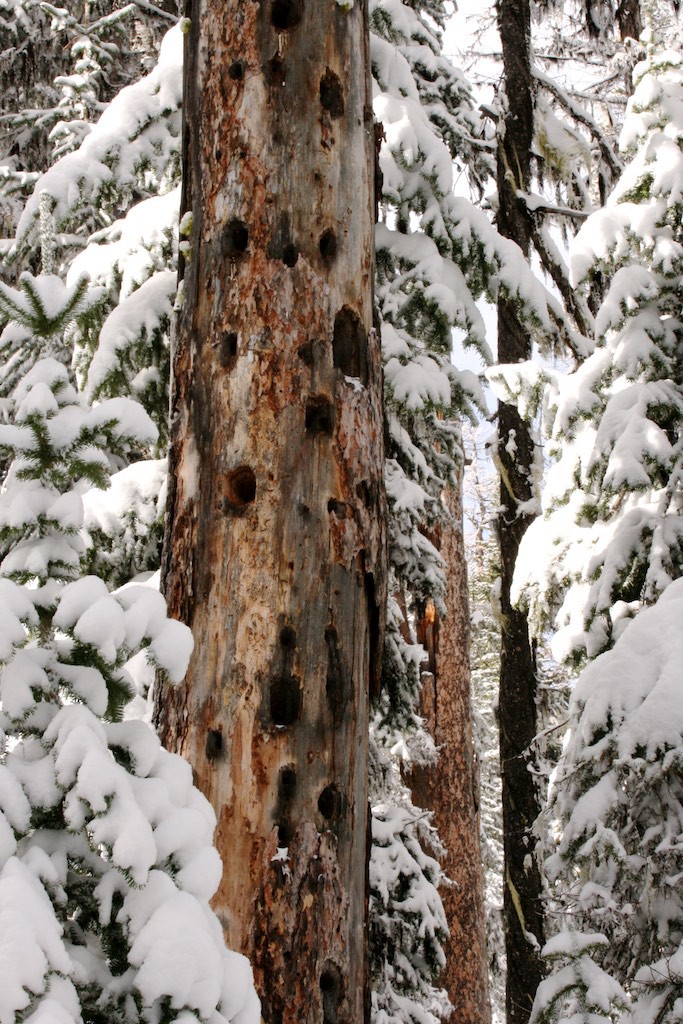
(451, 787)
(419, 98)
(436, 255)
(515, 455)
(615, 798)
(480, 505)
(612, 502)
(60, 66)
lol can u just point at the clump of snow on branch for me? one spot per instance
(147, 115)
(618, 802)
(106, 856)
(611, 537)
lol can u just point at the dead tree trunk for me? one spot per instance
(451, 787)
(274, 552)
(522, 907)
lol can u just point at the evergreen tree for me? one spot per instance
(30, 309)
(114, 205)
(59, 68)
(611, 530)
(131, 154)
(106, 862)
(618, 806)
(109, 210)
(578, 990)
(436, 254)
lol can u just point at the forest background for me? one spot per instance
(572, 239)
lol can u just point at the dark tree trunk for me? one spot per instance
(629, 20)
(274, 552)
(523, 912)
(451, 787)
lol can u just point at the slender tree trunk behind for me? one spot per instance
(522, 907)
(274, 552)
(451, 787)
(629, 19)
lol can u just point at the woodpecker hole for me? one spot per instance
(290, 254)
(236, 238)
(214, 744)
(276, 71)
(319, 415)
(331, 95)
(327, 981)
(328, 245)
(285, 700)
(331, 992)
(241, 488)
(364, 493)
(348, 344)
(288, 638)
(228, 349)
(340, 509)
(287, 782)
(236, 70)
(285, 833)
(306, 353)
(285, 14)
(331, 803)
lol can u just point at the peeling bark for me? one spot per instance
(450, 788)
(275, 545)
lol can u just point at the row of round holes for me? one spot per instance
(237, 241)
(286, 14)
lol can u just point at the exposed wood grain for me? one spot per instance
(275, 537)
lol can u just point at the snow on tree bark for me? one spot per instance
(275, 535)
(523, 912)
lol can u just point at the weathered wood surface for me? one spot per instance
(275, 542)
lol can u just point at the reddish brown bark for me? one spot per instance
(274, 552)
(451, 787)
